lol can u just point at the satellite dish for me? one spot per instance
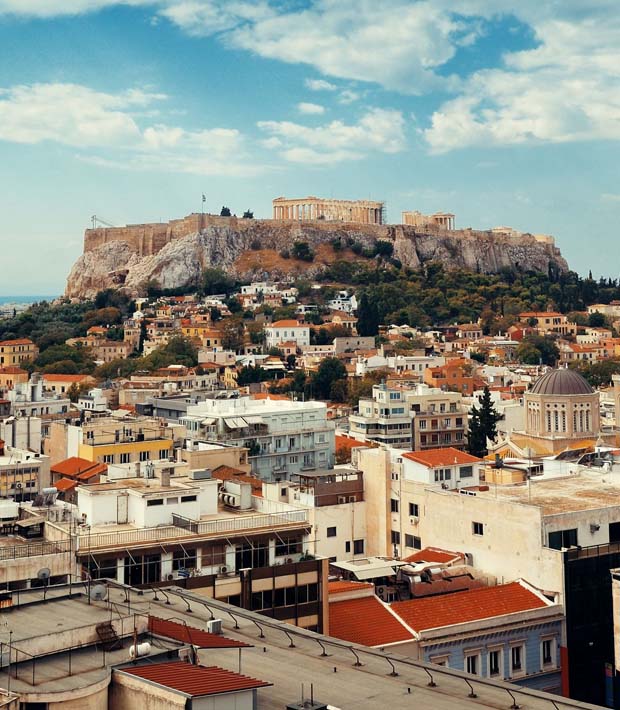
(43, 573)
(98, 592)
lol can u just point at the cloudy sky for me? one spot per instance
(505, 112)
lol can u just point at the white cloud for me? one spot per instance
(308, 108)
(77, 116)
(348, 96)
(379, 130)
(320, 85)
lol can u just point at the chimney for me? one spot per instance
(165, 476)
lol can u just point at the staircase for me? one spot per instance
(107, 636)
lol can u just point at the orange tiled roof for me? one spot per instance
(12, 370)
(17, 341)
(65, 484)
(441, 457)
(195, 681)
(343, 585)
(228, 473)
(433, 554)
(66, 378)
(287, 324)
(75, 467)
(366, 621)
(449, 609)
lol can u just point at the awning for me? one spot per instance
(29, 522)
(208, 421)
(254, 420)
(374, 572)
(235, 423)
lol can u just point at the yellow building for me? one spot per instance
(16, 352)
(113, 441)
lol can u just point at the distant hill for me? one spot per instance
(174, 254)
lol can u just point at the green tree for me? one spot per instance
(330, 370)
(215, 281)
(597, 320)
(488, 415)
(535, 349)
(476, 440)
(225, 212)
(302, 251)
(367, 317)
(232, 334)
(248, 214)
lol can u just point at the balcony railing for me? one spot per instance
(198, 528)
(34, 549)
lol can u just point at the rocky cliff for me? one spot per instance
(251, 249)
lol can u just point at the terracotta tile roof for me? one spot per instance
(441, 457)
(343, 585)
(67, 378)
(195, 681)
(76, 467)
(65, 484)
(18, 341)
(190, 634)
(228, 473)
(449, 609)
(287, 324)
(434, 554)
(366, 621)
(12, 370)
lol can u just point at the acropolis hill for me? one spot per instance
(175, 253)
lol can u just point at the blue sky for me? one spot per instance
(505, 113)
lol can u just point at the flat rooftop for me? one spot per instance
(336, 680)
(583, 491)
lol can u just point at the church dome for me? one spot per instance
(561, 382)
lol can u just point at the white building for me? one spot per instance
(284, 331)
(282, 437)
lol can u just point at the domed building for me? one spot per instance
(562, 412)
(562, 405)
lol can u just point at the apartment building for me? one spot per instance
(282, 437)
(23, 473)
(283, 331)
(113, 440)
(14, 353)
(419, 418)
(337, 509)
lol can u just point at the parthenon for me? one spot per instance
(443, 220)
(311, 208)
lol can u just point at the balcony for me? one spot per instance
(221, 527)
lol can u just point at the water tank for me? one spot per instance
(139, 650)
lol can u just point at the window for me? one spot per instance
(472, 663)
(547, 651)
(467, 471)
(414, 510)
(517, 654)
(188, 499)
(440, 660)
(292, 459)
(358, 547)
(108, 458)
(393, 505)
(331, 532)
(164, 453)
(124, 458)
(413, 541)
(156, 501)
(184, 559)
(442, 474)
(347, 546)
(144, 456)
(563, 538)
(614, 532)
(495, 662)
(395, 537)
(477, 528)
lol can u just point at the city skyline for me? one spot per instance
(132, 110)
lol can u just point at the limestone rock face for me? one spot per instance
(252, 249)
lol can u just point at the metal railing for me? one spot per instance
(34, 549)
(202, 528)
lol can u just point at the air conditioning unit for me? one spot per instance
(223, 569)
(414, 519)
(214, 626)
